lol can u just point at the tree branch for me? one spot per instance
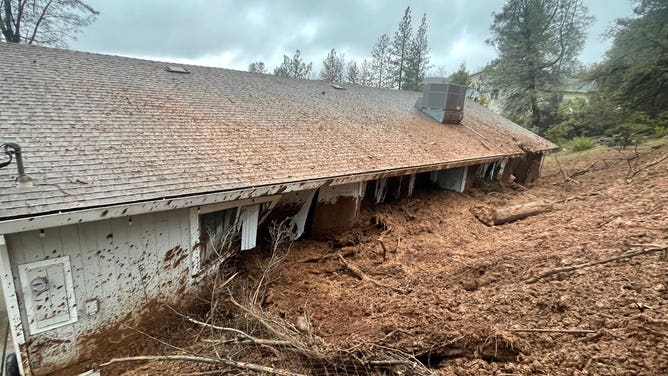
(201, 359)
(39, 21)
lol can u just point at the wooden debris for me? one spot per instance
(578, 197)
(540, 330)
(383, 247)
(345, 253)
(563, 173)
(649, 248)
(632, 173)
(362, 276)
(498, 216)
(202, 359)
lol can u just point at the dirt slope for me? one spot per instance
(455, 289)
(467, 279)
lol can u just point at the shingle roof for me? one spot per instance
(101, 130)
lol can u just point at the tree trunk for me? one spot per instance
(498, 216)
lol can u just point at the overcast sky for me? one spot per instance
(232, 34)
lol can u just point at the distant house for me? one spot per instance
(571, 88)
(135, 170)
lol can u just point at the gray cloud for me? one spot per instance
(234, 33)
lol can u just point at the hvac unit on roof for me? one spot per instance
(443, 102)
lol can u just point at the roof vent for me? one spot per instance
(176, 69)
(13, 150)
(443, 102)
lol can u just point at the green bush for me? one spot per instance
(582, 143)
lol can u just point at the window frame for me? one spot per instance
(196, 267)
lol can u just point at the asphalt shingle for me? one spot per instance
(102, 130)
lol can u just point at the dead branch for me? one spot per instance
(221, 328)
(254, 341)
(280, 329)
(201, 359)
(362, 276)
(498, 216)
(346, 253)
(567, 331)
(281, 243)
(632, 173)
(563, 173)
(583, 171)
(578, 197)
(649, 249)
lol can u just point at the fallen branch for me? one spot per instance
(583, 171)
(563, 173)
(567, 331)
(650, 248)
(346, 253)
(254, 341)
(221, 328)
(578, 197)
(201, 359)
(362, 276)
(631, 174)
(498, 216)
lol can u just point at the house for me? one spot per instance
(481, 91)
(133, 170)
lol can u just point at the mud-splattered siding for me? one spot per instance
(119, 265)
(336, 209)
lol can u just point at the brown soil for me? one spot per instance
(456, 289)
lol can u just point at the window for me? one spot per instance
(221, 230)
(219, 235)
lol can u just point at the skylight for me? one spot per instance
(176, 69)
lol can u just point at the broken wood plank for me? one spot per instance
(498, 216)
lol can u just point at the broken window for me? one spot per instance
(219, 235)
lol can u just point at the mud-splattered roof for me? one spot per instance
(103, 130)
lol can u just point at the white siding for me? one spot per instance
(117, 265)
(249, 218)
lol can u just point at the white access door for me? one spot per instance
(48, 294)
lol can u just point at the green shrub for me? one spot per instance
(582, 143)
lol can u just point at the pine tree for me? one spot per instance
(353, 73)
(399, 50)
(634, 73)
(538, 42)
(257, 67)
(332, 70)
(366, 74)
(418, 58)
(294, 67)
(461, 76)
(380, 60)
